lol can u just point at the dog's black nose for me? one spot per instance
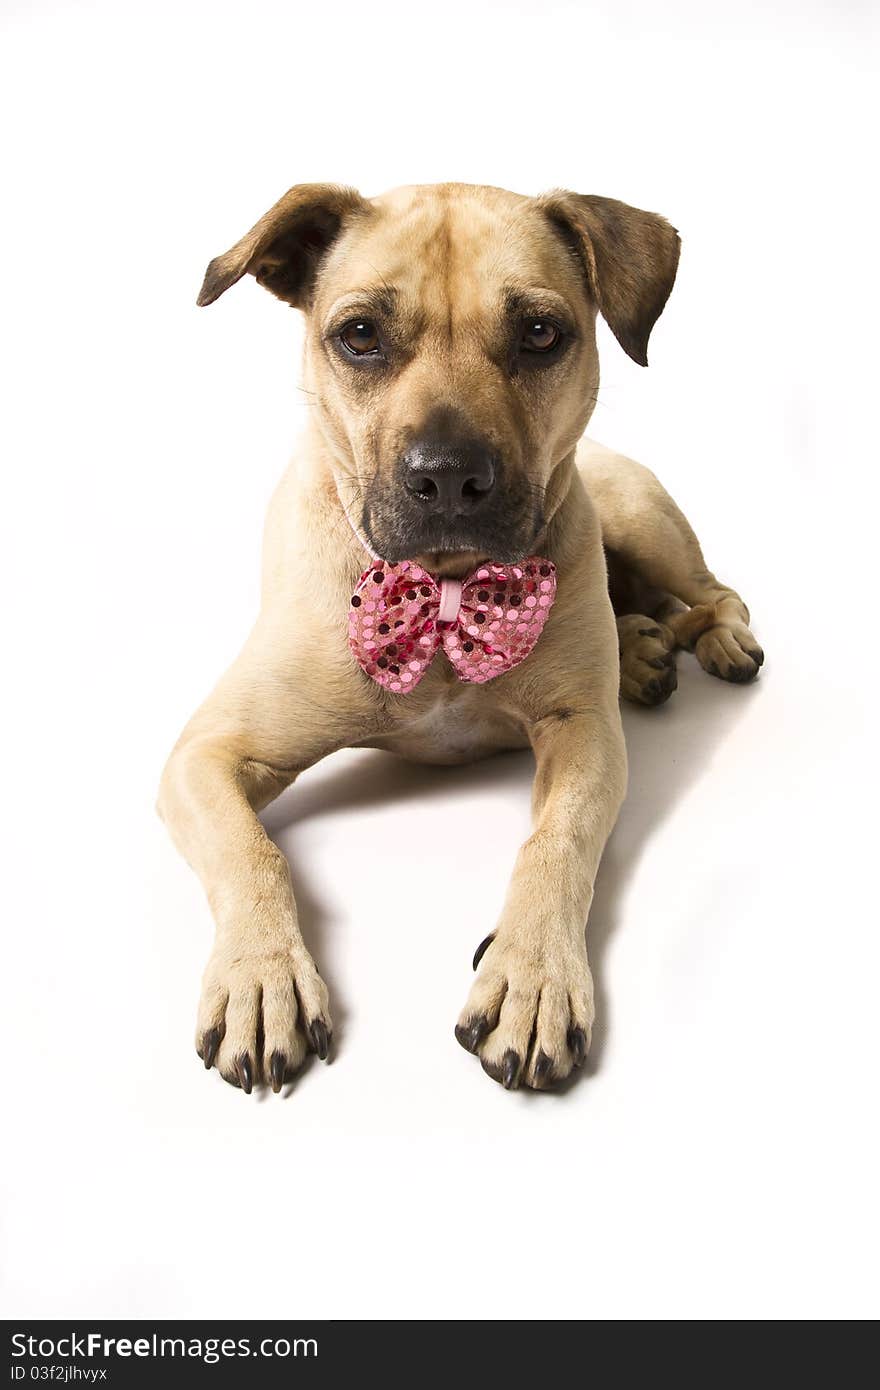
(451, 480)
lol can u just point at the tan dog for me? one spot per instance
(451, 360)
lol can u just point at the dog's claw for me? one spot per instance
(482, 949)
(245, 1073)
(507, 1072)
(320, 1040)
(577, 1043)
(741, 675)
(471, 1034)
(277, 1068)
(510, 1070)
(210, 1044)
(543, 1067)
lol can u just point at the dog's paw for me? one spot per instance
(530, 1012)
(647, 660)
(260, 1013)
(729, 651)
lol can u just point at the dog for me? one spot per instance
(451, 368)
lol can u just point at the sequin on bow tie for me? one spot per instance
(394, 626)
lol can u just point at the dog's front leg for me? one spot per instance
(263, 1003)
(530, 1011)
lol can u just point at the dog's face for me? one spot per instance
(451, 348)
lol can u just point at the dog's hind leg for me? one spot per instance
(649, 540)
(646, 642)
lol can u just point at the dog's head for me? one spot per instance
(451, 347)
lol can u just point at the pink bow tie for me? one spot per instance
(485, 624)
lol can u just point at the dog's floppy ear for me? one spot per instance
(285, 246)
(630, 258)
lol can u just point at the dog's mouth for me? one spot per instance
(397, 530)
(447, 550)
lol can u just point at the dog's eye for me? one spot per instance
(360, 337)
(539, 335)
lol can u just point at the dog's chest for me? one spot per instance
(453, 730)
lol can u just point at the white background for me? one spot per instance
(720, 1159)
